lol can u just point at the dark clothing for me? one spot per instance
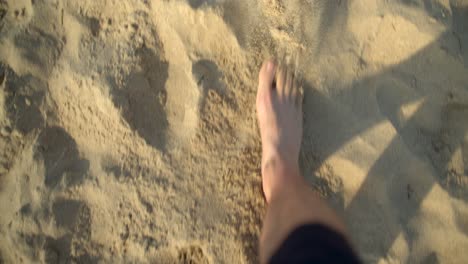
(315, 243)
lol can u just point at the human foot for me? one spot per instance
(279, 113)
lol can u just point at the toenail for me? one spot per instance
(270, 66)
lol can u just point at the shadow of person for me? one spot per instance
(411, 164)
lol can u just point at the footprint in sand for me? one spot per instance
(94, 26)
(143, 99)
(450, 149)
(74, 218)
(46, 51)
(62, 161)
(57, 250)
(24, 100)
(208, 77)
(214, 103)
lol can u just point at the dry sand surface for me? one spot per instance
(128, 130)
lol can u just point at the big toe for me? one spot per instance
(266, 77)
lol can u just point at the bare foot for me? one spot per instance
(279, 112)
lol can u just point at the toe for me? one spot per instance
(289, 84)
(266, 78)
(281, 80)
(300, 98)
(267, 75)
(294, 88)
(296, 92)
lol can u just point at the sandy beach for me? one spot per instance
(128, 130)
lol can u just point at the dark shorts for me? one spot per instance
(315, 244)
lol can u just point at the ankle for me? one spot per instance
(280, 176)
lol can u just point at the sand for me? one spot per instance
(128, 130)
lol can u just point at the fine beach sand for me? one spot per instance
(128, 128)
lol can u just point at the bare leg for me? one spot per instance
(291, 201)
